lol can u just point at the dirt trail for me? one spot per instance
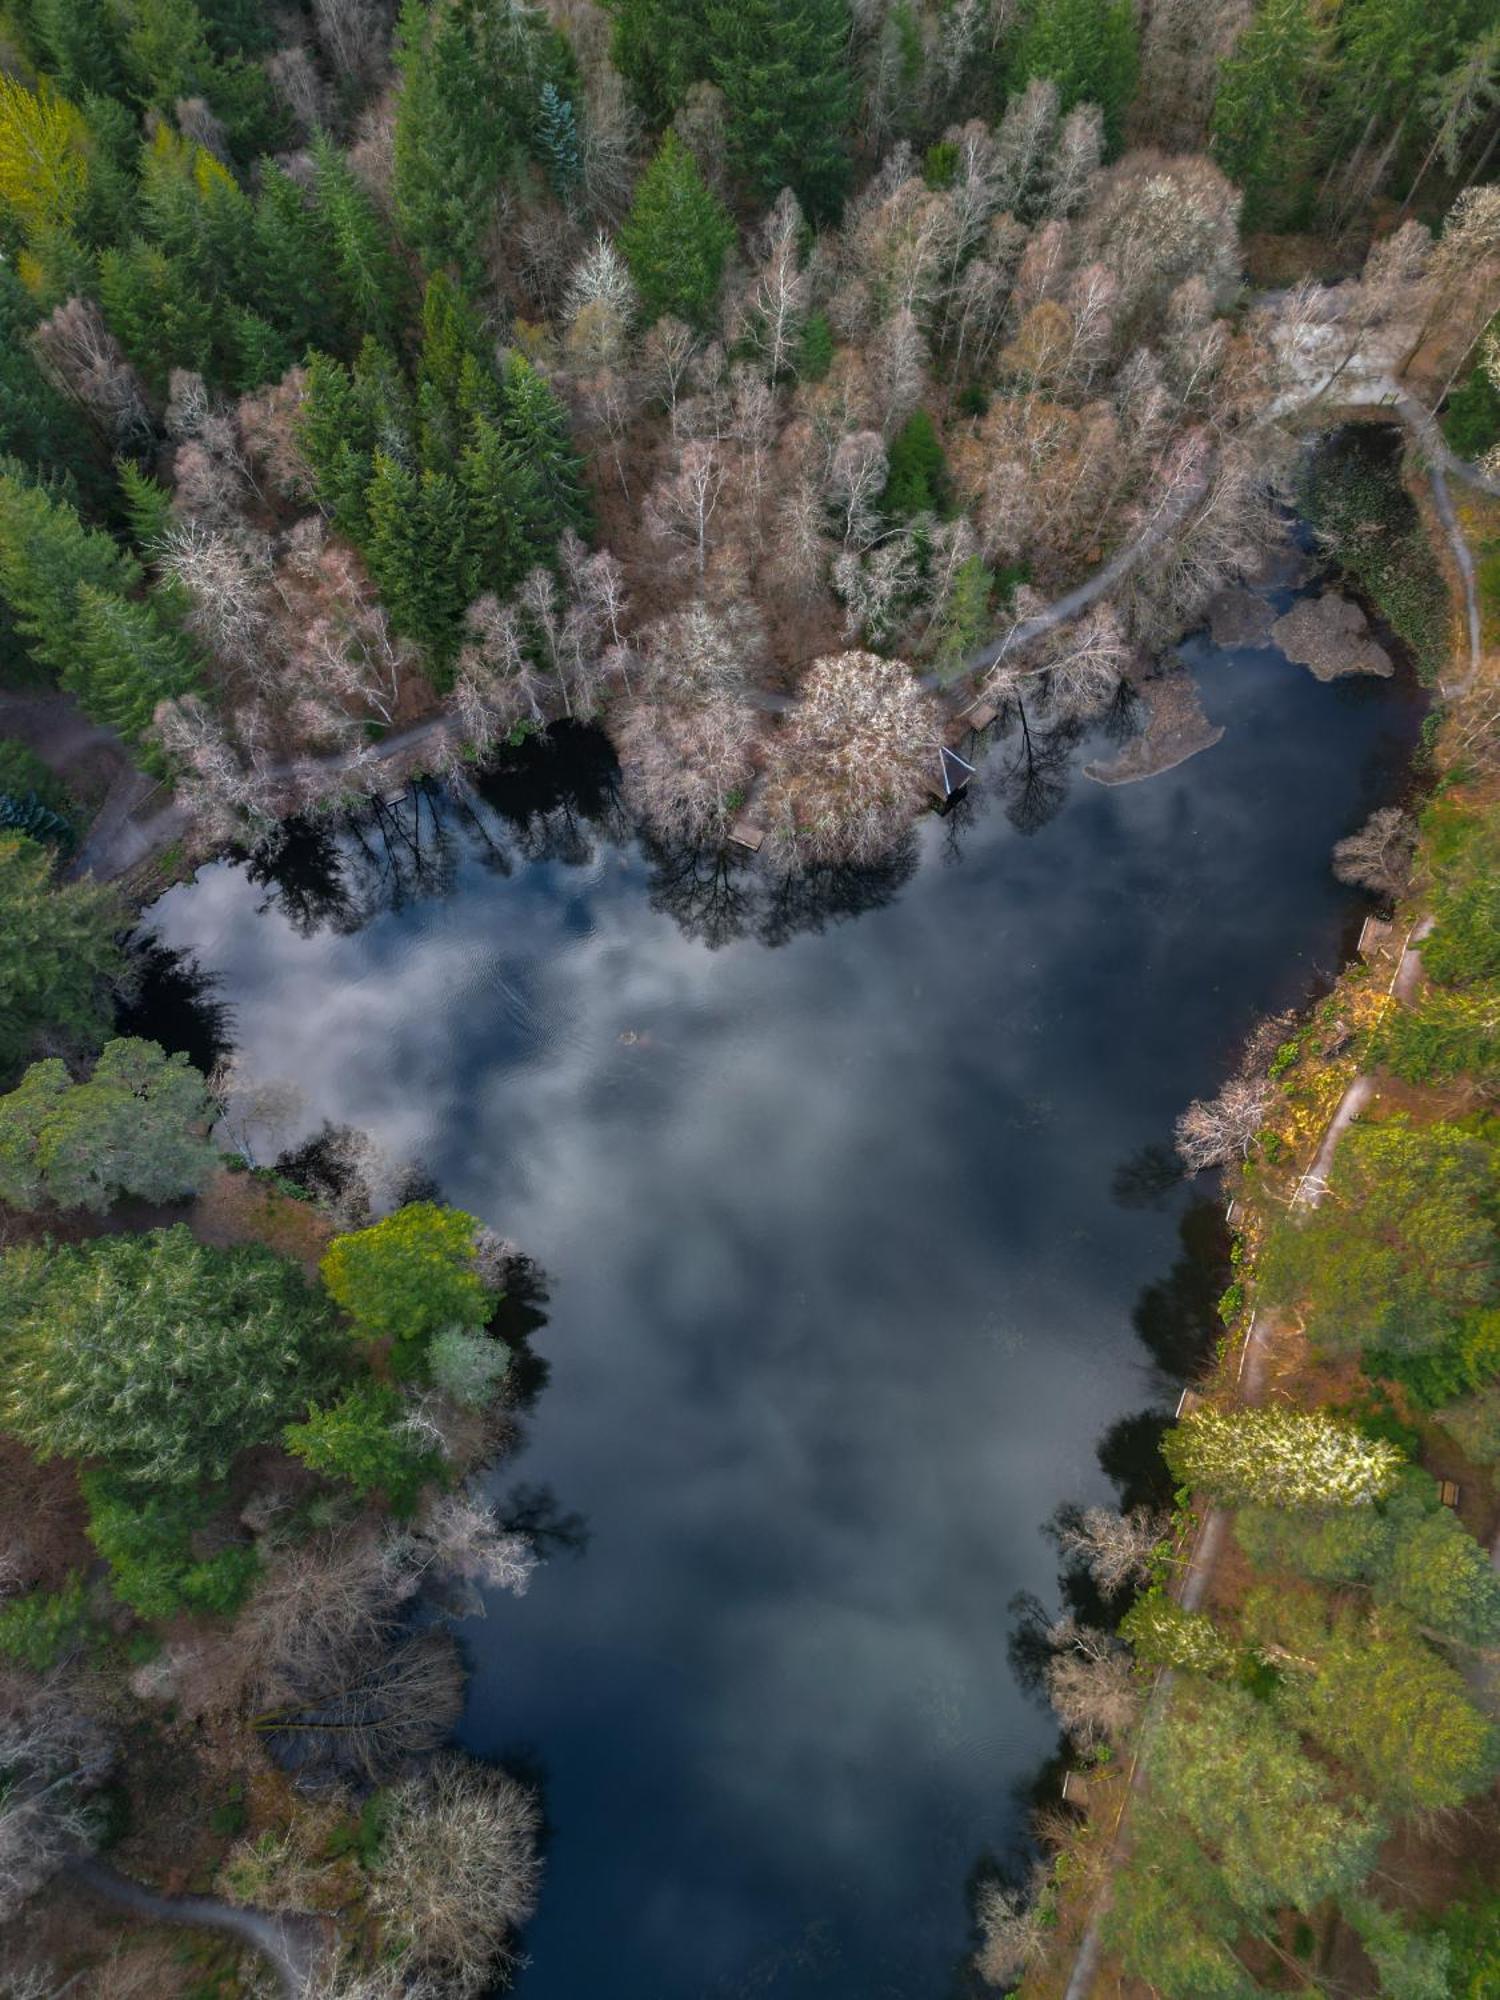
(291, 1942)
(1197, 1573)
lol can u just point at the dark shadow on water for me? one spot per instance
(1177, 1318)
(173, 1001)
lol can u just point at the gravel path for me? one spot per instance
(292, 1943)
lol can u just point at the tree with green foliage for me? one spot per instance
(1280, 1457)
(409, 1275)
(157, 1355)
(79, 42)
(368, 283)
(660, 47)
(675, 237)
(59, 953)
(917, 481)
(1261, 132)
(470, 106)
(362, 1439)
(1268, 1817)
(136, 1127)
(157, 314)
(783, 66)
(1410, 1966)
(147, 1540)
(39, 426)
(534, 423)
(1163, 1634)
(416, 530)
(1171, 1918)
(1385, 1704)
(1404, 1245)
(42, 1629)
(1409, 1550)
(1088, 48)
(467, 1366)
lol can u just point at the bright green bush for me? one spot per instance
(148, 1544)
(408, 1275)
(360, 1439)
(44, 1627)
(467, 1366)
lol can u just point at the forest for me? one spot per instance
(777, 384)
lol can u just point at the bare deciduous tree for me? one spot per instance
(1379, 856)
(457, 1873)
(79, 353)
(52, 1757)
(680, 508)
(1014, 1933)
(1215, 1131)
(1115, 1549)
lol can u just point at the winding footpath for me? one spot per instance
(1250, 1379)
(291, 1942)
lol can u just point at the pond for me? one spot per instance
(845, 1199)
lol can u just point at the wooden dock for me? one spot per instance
(745, 833)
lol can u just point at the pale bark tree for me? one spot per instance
(299, 89)
(1015, 1934)
(225, 579)
(681, 507)
(686, 769)
(601, 294)
(224, 791)
(1075, 162)
(800, 548)
(700, 655)
(856, 479)
(877, 587)
(54, 1758)
(845, 772)
(257, 1113)
(461, 1537)
(354, 35)
(1217, 1131)
(1091, 1684)
(1025, 142)
(1155, 221)
(267, 425)
(1379, 856)
(1116, 1549)
(899, 371)
(78, 352)
(776, 304)
(665, 361)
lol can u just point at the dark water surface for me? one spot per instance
(842, 1292)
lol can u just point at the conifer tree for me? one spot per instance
(59, 952)
(454, 134)
(660, 47)
(46, 556)
(124, 661)
(38, 426)
(676, 237)
(367, 273)
(158, 315)
(783, 66)
(295, 248)
(416, 548)
(1281, 1458)
(534, 424)
(1088, 48)
(79, 42)
(557, 142)
(1261, 128)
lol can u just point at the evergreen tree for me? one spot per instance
(917, 481)
(45, 155)
(783, 66)
(415, 547)
(79, 42)
(369, 281)
(534, 424)
(262, 354)
(134, 1128)
(1383, 1703)
(148, 506)
(660, 47)
(296, 248)
(1088, 48)
(1280, 1457)
(362, 1439)
(557, 143)
(59, 952)
(675, 237)
(1261, 133)
(158, 315)
(124, 660)
(507, 521)
(156, 1355)
(46, 556)
(455, 132)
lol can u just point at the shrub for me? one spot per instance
(409, 1275)
(467, 1366)
(361, 1439)
(148, 1544)
(43, 1628)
